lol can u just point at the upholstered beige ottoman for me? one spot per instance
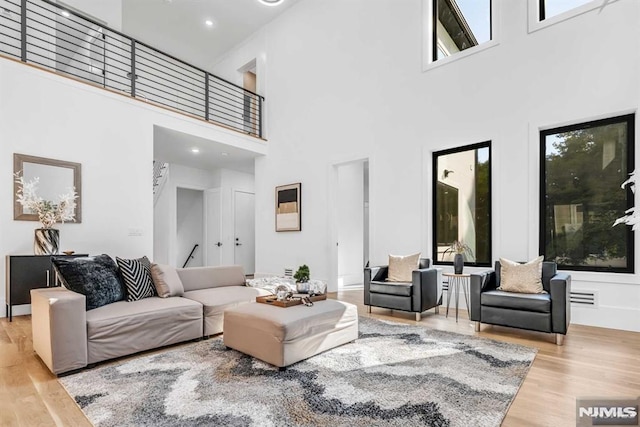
(283, 336)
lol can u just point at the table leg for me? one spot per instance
(457, 296)
(465, 282)
(449, 290)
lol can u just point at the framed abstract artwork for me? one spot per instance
(288, 208)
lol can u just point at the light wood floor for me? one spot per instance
(592, 362)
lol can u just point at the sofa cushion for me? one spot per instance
(124, 328)
(525, 278)
(211, 277)
(166, 280)
(517, 301)
(393, 288)
(95, 277)
(216, 300)
(401, 267)
(136, 274)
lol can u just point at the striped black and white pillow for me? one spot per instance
(136, 274)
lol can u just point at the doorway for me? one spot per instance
(250, 106)
(244, 230)
(213, 215)
(352, 222)
(189, 227)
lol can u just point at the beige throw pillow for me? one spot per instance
(522, 278)
(401, 267)
(167, 281)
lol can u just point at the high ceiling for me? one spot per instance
(178, 27)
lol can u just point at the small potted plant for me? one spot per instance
(302, 279)
(460, 249)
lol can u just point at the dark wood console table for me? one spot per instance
(26, 272)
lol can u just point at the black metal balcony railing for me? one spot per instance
(48, 35)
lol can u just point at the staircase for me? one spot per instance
(160, 173)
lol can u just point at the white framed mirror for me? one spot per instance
(55, 178)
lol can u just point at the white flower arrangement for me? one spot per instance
(631, 217)
(48, 212)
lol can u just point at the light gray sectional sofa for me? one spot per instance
(68, 337)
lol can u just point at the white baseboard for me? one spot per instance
(16, 310)
(623, 318)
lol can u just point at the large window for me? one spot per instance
(551, 8)
(459, 25)
(582, 167)
(462, 203)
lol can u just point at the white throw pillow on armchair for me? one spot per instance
(401, 267)
(522, 278)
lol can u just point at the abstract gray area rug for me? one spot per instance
(393, 375)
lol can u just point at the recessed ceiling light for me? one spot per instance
(209, 23)
(195, 150)
(65, 14)
(270, 2)
(224, 153)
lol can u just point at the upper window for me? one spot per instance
(459, 25)
(582, 167)
(462, 203)
(551, 8)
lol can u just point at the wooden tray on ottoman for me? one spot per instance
(272, 300)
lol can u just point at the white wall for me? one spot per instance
(111, 135)
(357, 91)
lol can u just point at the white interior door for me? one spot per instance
(244, 230)
(350, 226)
(214, 227)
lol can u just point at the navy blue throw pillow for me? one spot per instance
(95, 277)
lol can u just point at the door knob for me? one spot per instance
(219, 244)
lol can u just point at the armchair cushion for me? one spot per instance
(401, 267)
(523, 278)
(517, 301)
(391, 288)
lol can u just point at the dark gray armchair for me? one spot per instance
(415, 297)
(549, 312)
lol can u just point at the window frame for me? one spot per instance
(434, 226)
(434, 31)
(542, 10)
(629, 119)
(536, 23)
(428, 29)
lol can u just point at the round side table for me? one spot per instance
(455, 282)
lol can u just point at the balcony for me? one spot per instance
(49, 36)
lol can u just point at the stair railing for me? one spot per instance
(63, 40)
(190, 257)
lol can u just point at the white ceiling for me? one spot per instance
(178, 27)
(172, 146)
